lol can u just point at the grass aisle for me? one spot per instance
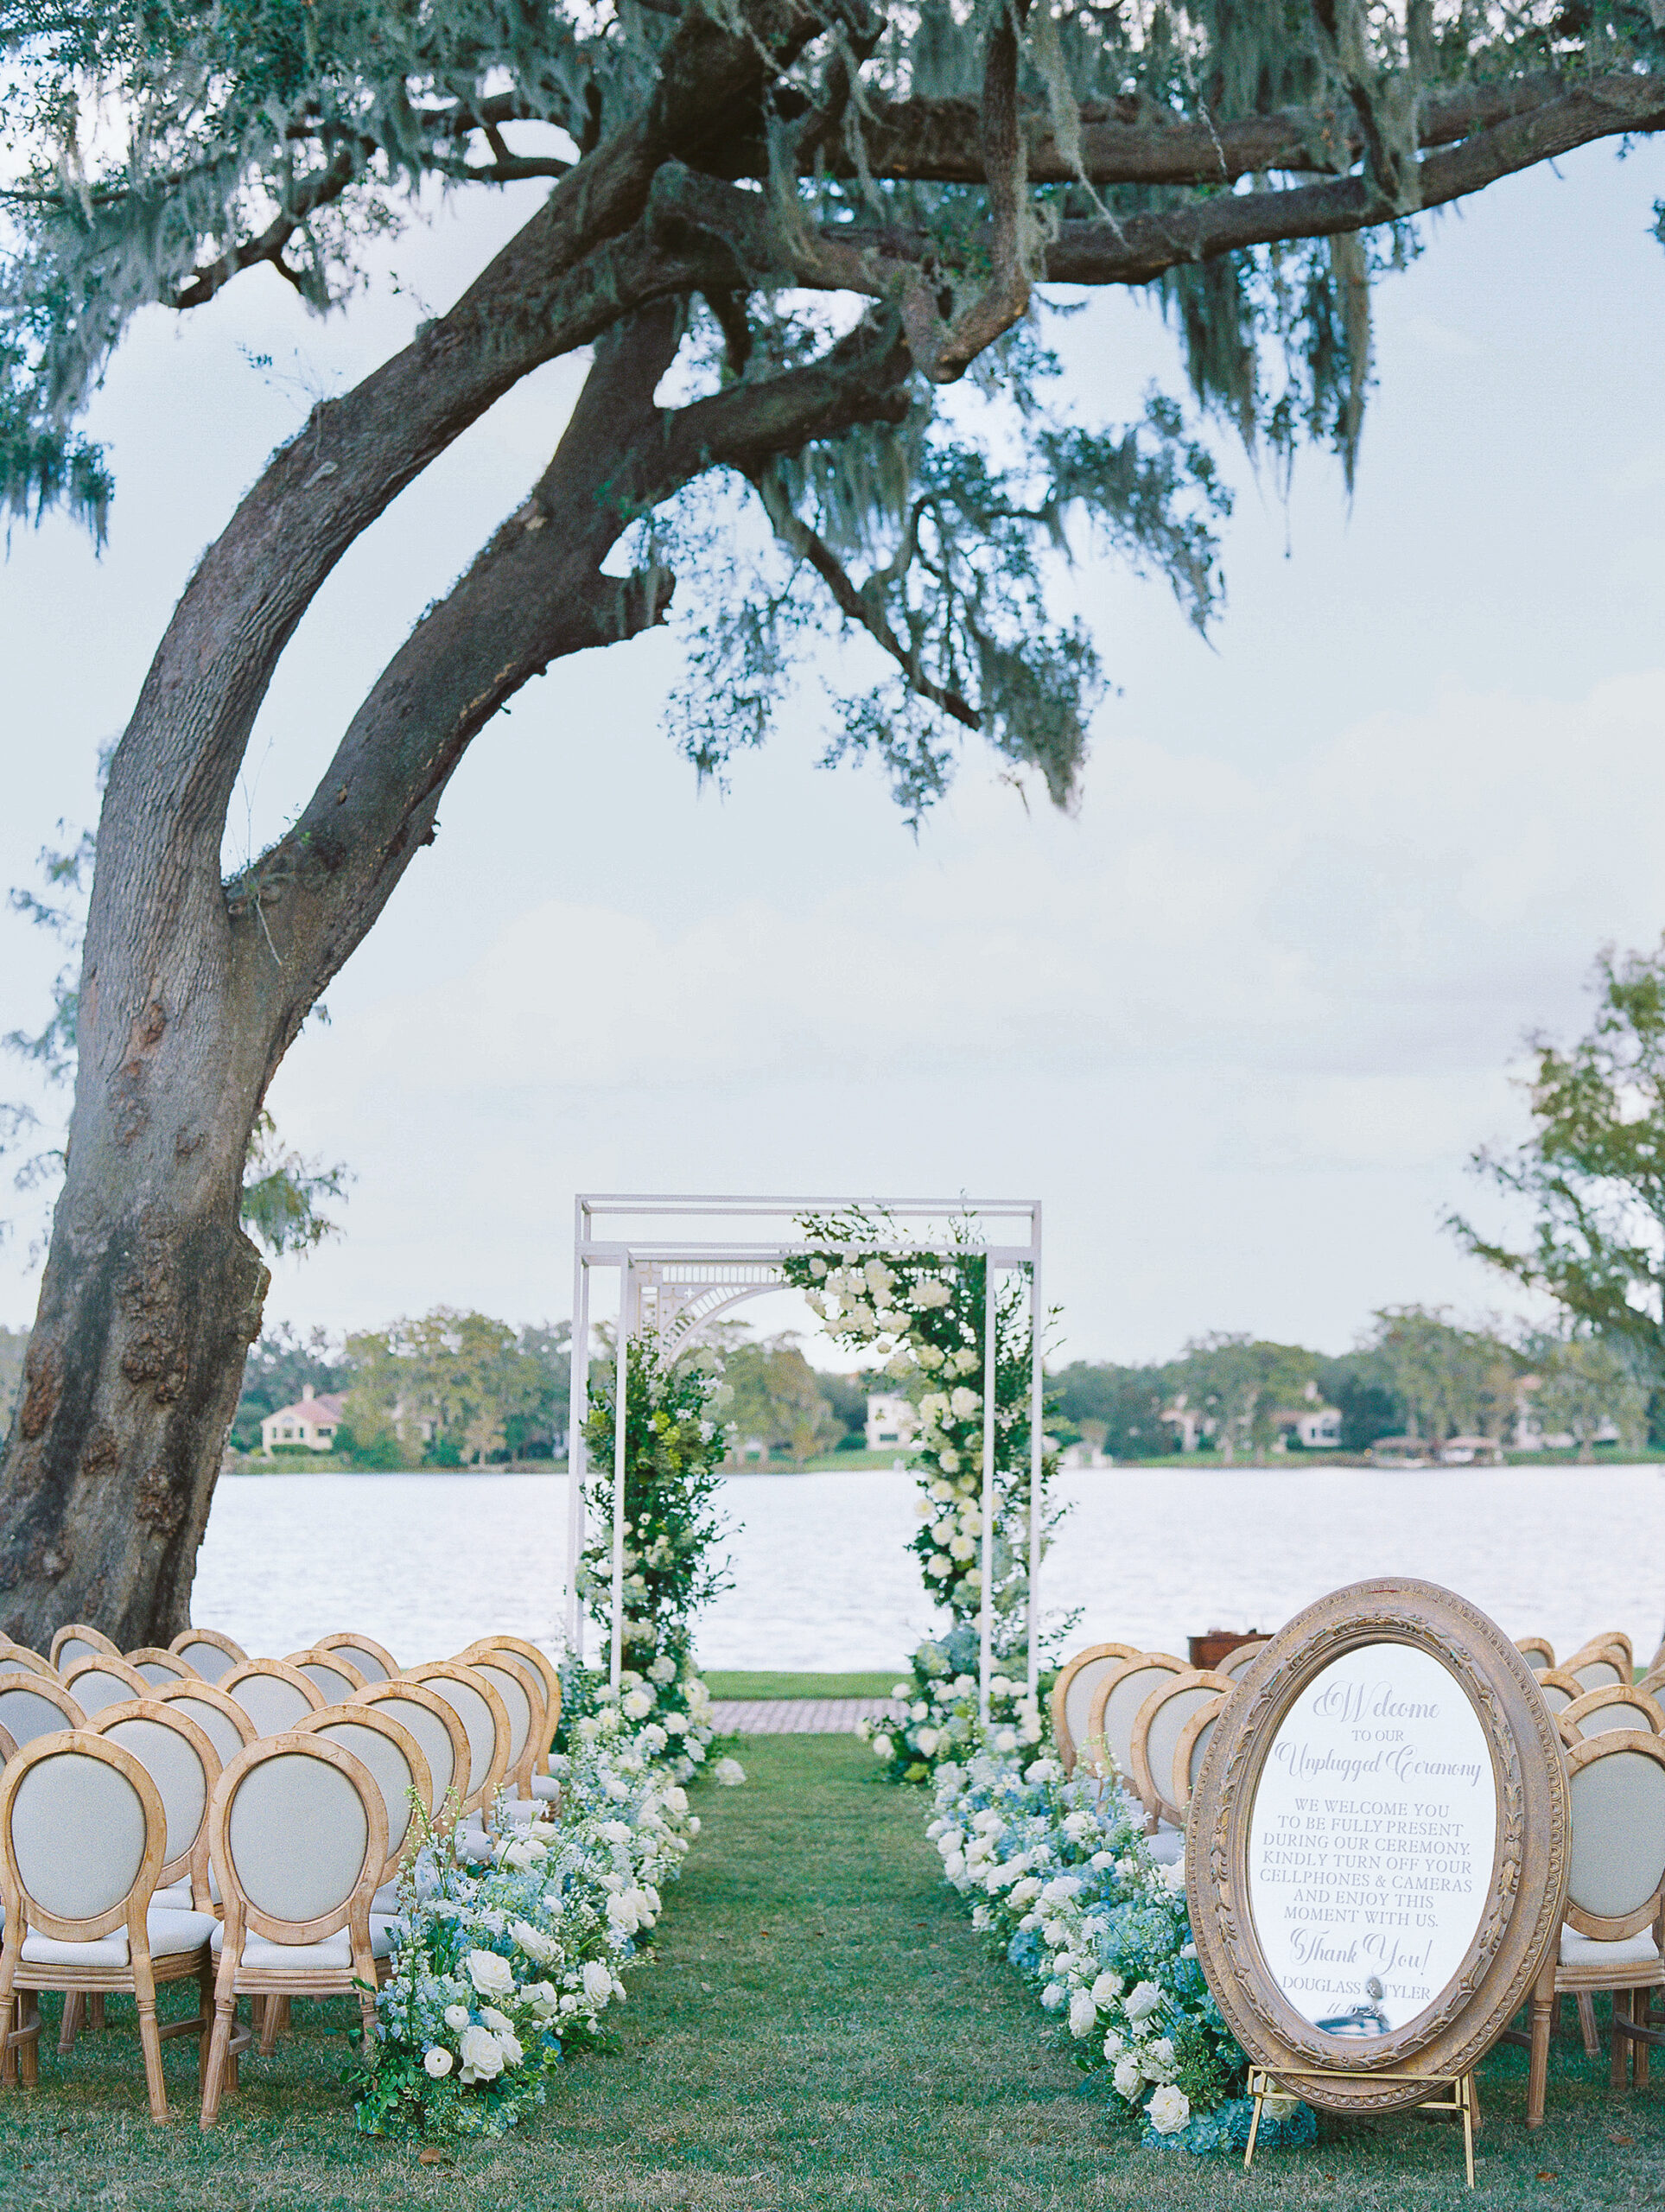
(821, 2029)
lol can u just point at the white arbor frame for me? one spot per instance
(675, 1280)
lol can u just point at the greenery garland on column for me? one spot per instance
(926, 1310)
(673, 1450)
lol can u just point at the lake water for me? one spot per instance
(424, 1563)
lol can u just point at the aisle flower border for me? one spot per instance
(924, 1312)
(1061, 1878)
(500, 1965)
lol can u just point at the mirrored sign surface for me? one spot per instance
(1371, 1841)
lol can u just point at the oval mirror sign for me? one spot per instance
(1377, 1847)
(1372, 1840)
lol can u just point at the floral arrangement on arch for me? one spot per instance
(499, 1967)
(673, 1451)
(924, 1312)
(1062, 1880)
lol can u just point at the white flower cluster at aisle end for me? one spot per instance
(1060, 1877)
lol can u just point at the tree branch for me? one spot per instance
(317, 192)
(863, 606)
(1005, 298)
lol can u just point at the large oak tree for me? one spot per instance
(823, 213)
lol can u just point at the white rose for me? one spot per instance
(883, 1748)
(817, 1266)
(491, 1976)
(615, 1831)
(1115, 2044)
(1278, 2104)
(1143, 2001)
(638, 1704)
(729, 1772)
(1157, 2058)
(1168, 2110)
(1025, 1892)
(456, 2018)
(1128, 2079)
(482, 2056)
(503, 2028)
(663, 1670)
(1107, 1989)
(925, 1741)
(949, 1461)
(534, 1943)
(928, 1356)
(1006, 1741)
(675, 1724)
(964, 1403)
(598, 1982)
(436, 2064)
(939, 1564)
(1084, 2014)
(543, 1998)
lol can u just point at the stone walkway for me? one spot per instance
(797, 1716)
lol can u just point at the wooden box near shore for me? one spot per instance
(1209, 1650)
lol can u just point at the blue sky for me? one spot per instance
(1238, 1023)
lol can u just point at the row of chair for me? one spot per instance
(1146, 1717)
(248, 1832)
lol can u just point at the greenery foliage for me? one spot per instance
(674, 1448)
(1592, 1170)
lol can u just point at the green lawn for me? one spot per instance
(822, 2030)
(737, 1683)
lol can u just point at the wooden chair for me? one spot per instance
(213, 1656)
(159, 1666)
(1157, 1728)
(375, 1663)
(297, 1836)
(1236, 1664)
(1072, 1695)
(332, 1673)
(521, 1689)
(274, 1694)
(437, 1727)
(1615, 1707)
(392, 1757)
(36, 1704)
(1189, 1752)
(1536, 1650)
(16, 1656)
(221, 1718)
(1116, 1702)
(486, 1722)
(1596, 1665)
(95, 1683)
(181, 1759)
(1653, 1681)
(76, 1641)
(1559, 1690)
(1615, 1901)
(82, 1834)
(544, 1787)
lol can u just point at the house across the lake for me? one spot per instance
(311, 1424)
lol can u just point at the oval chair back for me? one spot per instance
(1536, 1650)
(485, 1718)
(1072, 1695)
(213, 1655)
(1615, 1707)
(1559, 1690)
(533, 1655)
(1600, 1673)
(76, 1641)
(1189, 1752)
(221, 1718)
(95, 1683)
(159, 1666)
(375, 1663)
(332, 1673)
(13, 1656)
(297, 1837)
(1115, 1706)
(439, 1734)
(181, 1759)
(36, 1704)
(392, 1757)
(82, 1834)
(521, 1692)
(1157, 1729)
(1617, 1878)
(1653, 1681)
(1237, 1664)
(274, 1694)
(544, 1680)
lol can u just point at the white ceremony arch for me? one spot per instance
(679, 1265)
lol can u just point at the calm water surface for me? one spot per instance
(424, 1563)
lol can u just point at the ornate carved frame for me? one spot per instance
(1522, 1917)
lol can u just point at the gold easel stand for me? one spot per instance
(1462, 2099)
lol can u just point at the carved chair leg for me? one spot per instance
(1642, 2011)
(1623, 2010)
(225, 2007)
(144, 1995)
(205, 2006)
(28, 2052)
(74, 2004)
(1544, 2007)
(95, 2009)
(1587, 2022)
